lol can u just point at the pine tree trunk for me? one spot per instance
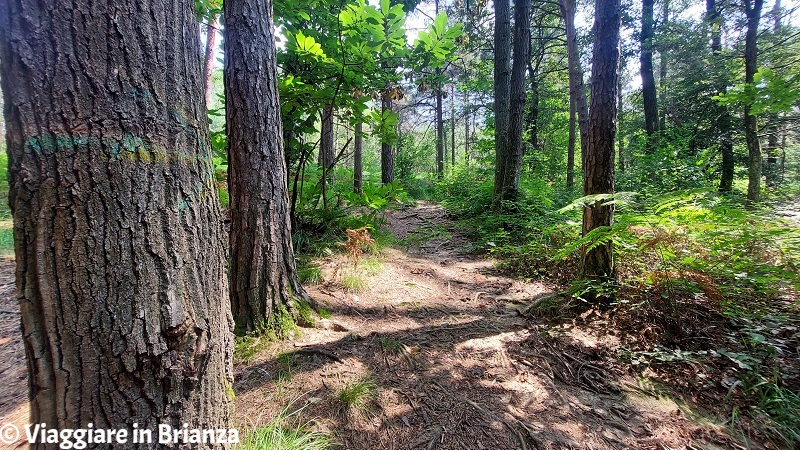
(571, 146)
(714, 20)
(648, 79)
(576, 86)
(208, 60)
(327, 153)
(724, 121)
(439, 135)
(467, 115)
(263, 276)
(777, 13)
(620, 116)
(117, 226)
(727, 166)
(750, 121)
(532, 118)
(452, 128)
(662, 72)
(440, 143)
(387, 153)
(502, 92)
(358, 159)
(509, 167)
(598, 164)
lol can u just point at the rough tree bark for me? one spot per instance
(387, 152)
(439, 135)
(714, 21)
(440, 138)
(453, 127)
(327, 153)
(648, 79)
(532, 117)
(620, 137)
(467, 115)
(598, 162)
(117, 226)
(208, 60)
(509, 163)
(571, 146)
(502, 89)
(576, 86)
(263, 275)
(753, 12)
(662, 71)
(358, 159)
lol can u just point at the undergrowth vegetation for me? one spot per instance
(286, 431)
(706, 297)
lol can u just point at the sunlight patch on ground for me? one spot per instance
(495, 342)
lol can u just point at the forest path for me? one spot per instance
(789, 210)
(454, 364)
(13, 367)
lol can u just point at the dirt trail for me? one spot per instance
(789, 210)
(455, 365)
(13, 369)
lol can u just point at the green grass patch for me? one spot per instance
(246, 347)
(371, 266)
(6, 238)
(324, 313)
(357, 394)
(391, 345)
(308, 272)
(354, 280)
(286, 431)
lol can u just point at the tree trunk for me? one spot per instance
(727, 166)
(264, 283)
(662, 73)
(750, 120)
(358, 159)
(771, 164)
(576, 87)
(509, 166)
(502, 92)
(452, 128)
(327, 153)
(714, 19)
(440, 150)
(648, 79)
(208, 60)
(598, 165)
(117, 227)
(387, 153)
(532, 118)
(571, 146)
(467, 116)
(439, 135)
(620, 116)
(777, 12)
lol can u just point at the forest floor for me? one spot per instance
(428, 347)
(438, 344)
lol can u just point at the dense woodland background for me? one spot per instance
(640, 158)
